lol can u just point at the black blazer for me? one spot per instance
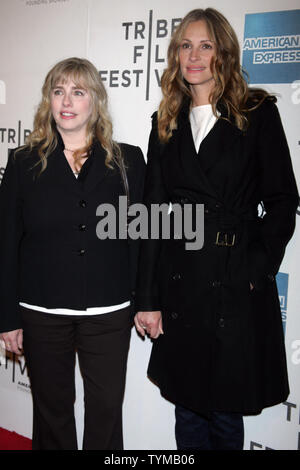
(49, 251)
(222, 347)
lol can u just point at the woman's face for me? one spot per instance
(71, 107)
(195, 55)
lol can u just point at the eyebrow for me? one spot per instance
(73, 87)
(202, 40)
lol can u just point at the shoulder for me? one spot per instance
(132, 155)
(21, 159)
(131, 152)
(23, 164)
(154, 117)
(261, 103)
(22, 155)
(265, 110)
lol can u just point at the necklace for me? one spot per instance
(69, 150)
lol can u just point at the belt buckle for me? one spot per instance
(225, 239)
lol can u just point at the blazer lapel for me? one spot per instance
(92, 172)
(60, 171)
(97, 170)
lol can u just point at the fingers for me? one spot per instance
(13, 341)
(155, 332)
(140, 328)
(160, 327)
(150, 323)
(20, 340)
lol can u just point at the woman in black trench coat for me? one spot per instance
(219, 349)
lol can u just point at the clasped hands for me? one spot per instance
(149, 322)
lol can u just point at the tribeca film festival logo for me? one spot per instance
(144, 34)
(271, 49)
(12, 138)
(113, 226)
(293, 418)
(2, 101)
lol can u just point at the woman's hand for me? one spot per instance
(150, 322)
(13, 341)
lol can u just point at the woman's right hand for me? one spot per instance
(150, 322)
(13, 341)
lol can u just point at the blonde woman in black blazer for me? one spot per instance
(62, 287)
(216, 142)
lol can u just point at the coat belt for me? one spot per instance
(229, 222)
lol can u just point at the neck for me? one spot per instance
(201, 93)
(73, 142)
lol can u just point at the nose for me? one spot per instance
(195, 53)
(67, 101)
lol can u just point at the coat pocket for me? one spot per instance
(258, 265)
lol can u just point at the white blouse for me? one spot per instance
(202, 121)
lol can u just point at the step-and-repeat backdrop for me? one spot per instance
(127, 41)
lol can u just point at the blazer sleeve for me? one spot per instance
(147, 297)
(11, 231)
(136, 177)
(279, 195)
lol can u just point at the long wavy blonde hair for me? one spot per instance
(44, 135)
(230, 90)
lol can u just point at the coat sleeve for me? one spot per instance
(279, 196)
(147, 297)
(11, 231)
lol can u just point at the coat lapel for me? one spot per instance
(189, 167)
(215, 147)
(218, 143)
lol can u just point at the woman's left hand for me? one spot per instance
(149, 322)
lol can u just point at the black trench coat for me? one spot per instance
(223, 345)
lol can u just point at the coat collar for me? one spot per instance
(93, 170)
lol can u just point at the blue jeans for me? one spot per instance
(222, 431)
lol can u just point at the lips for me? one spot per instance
(195, 69)
(67, 115)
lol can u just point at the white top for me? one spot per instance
(202, 120)
(68, 311)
